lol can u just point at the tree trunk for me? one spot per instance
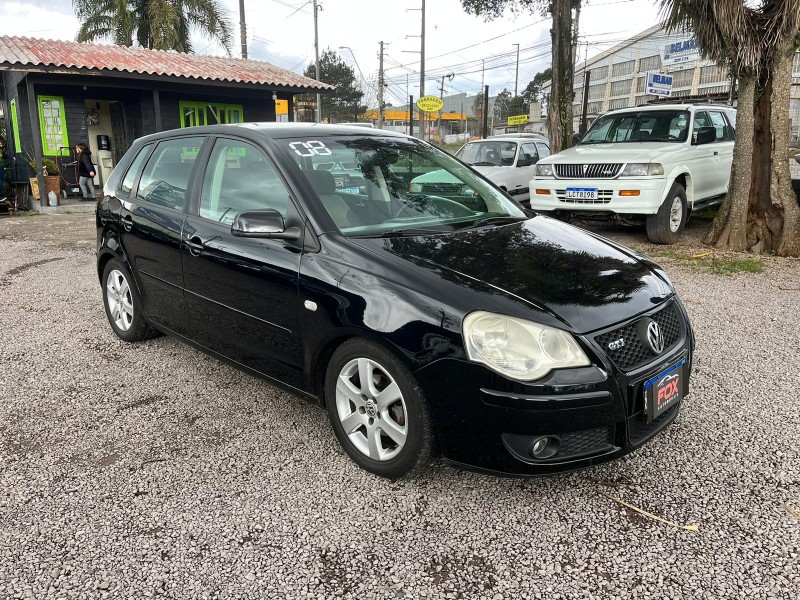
(761, 213)
(559, 112)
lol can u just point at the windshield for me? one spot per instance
(643, 126)
(488, 154)
(383, 186)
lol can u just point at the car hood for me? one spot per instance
(491, 172)
(582, 280)
(641, 152)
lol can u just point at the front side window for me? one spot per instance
(166, 177)
(528, 154)
(240, 177)
(53, 123)
(374, 186)
(718, 123)
(130, 176)
(643, 126)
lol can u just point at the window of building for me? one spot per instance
(598, 74)
(650, 63)
(53, 124)
(618, 103)
(165, 179)
(239, 178)
(15, 125)
(712, 74)
(645, 99)
(682, 78)
(623, 68)
(594, 108)
(621, 88)
(194, 114)
(597, 91)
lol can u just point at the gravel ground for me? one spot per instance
(147, 470)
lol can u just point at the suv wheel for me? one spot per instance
(666, 226)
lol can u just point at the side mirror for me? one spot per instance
(266, 224)
(706, 135)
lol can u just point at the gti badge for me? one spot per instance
(617, 344)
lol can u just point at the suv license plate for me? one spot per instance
(582, 193)
(664, 391)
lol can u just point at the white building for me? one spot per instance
(617, 77)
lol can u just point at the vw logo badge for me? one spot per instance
(655, 337)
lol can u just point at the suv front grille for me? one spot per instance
(441, 188)
(634, 352)
(588, 171)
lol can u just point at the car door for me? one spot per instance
(152, 214)
(704, 160)
(243, 292)
(525, 169)
(724, 149)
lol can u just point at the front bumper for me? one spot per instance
(486, 422)
(651, 192)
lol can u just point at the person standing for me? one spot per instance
(86, 172)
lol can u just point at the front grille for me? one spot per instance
(589, 441)
(441, 188)
(603, 197)
(634, 353)
(590, 171)
(640, 430)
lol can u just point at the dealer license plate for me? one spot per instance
(581, 193)
(664, 391)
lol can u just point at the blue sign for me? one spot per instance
(658, 84)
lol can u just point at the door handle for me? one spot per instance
(195, 246)
(127, 222)
(716, 153)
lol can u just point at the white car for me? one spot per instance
(657, 162)
(508, 161)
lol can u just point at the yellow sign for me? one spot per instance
(518, 120)
(430, 103)
(281, 107)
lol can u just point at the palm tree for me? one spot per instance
(154, 24)
(757, 42)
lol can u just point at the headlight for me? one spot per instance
(517, 348)
(642, 170)
(544, 170)
(415, 187)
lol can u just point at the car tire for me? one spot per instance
(666, 226)
(123, 306)
(390, 436)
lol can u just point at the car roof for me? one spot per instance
(671, 106)
(510, 138)
(278, 130)
(536, 136)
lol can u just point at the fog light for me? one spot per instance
(542, 192)
(545, 447)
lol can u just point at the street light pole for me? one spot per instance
(422, 73)
(316, 59)
(516, 75)
(243, 29)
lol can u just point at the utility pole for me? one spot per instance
(243, 27)
(516, 76)
(586, 77)
(441, 95)
(483, 70)
(411, 116)
(485, 127)
(380, 89)
(422, 73)
(316, 60)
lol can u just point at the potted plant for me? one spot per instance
(52, 178)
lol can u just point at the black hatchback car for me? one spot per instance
(446, 321)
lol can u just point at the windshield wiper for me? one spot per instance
(498, 220)
(399, 232)
(484, 164)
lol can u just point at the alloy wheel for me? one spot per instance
(120, 302)
(676, 214)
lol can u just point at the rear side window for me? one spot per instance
(133, 170)
(718, 123)
(166, 177)
(544, 149)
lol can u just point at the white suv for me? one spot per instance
(657, 162)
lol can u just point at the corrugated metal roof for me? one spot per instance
(22, 52)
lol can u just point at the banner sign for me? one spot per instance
(658, 84)
(518, 120)
(677, 53)
(430, 103)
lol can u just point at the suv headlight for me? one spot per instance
(642, 170)
(517, 348)
(544, 170)
(415, 187)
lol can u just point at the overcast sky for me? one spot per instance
(282, 32)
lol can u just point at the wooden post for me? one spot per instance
(36, 131)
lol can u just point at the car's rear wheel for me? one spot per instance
(377, 410)
(666, 226)
(123, 307)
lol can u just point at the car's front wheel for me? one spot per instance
(666, 226)
(123, 307)
(377, 411)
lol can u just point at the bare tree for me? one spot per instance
(757, 42)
